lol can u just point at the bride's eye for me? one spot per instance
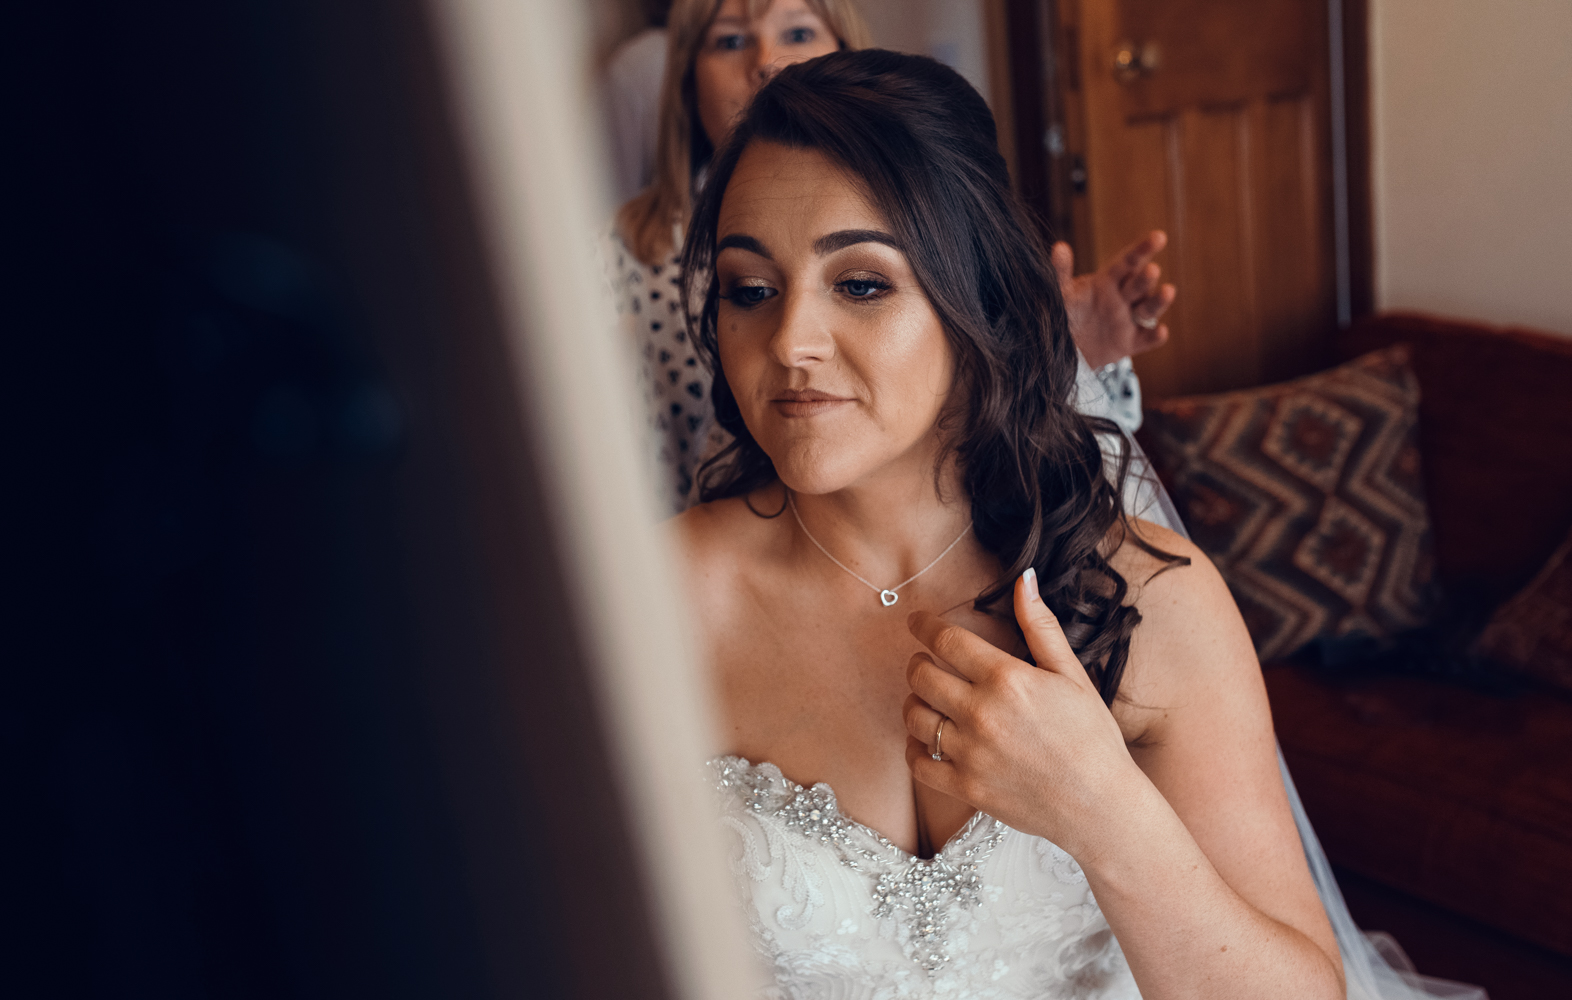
(863, 288)
(748, 296)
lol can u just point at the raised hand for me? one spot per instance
(1116, 311)
(1033, 746)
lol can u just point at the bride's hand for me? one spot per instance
(1032, 746)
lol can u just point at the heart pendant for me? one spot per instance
(888, 597)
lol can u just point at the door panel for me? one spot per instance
(1217, 132)
(1217, 51)
(1212, 230)
(1295, 279)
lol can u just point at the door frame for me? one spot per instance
(1355, 107)
(1043, 58)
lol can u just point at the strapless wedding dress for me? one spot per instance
(840, 913)
(837, 912)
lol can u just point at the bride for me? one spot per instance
(990, 736)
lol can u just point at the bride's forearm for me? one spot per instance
(1184, 931)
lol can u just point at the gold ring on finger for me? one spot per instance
(938, 739)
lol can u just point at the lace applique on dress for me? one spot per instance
(836, 910)
(839, 910)
(920, 895)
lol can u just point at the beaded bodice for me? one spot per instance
(839, 911)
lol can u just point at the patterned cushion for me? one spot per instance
(1532, 632)
(1308, 497)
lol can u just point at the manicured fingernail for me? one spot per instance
(1030, 579)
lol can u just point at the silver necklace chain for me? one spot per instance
(887, 595)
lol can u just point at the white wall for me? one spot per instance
(1472, 139)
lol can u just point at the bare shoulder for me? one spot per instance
(1191, 638)
(719, 542)
(1170, 578)
(718, 532)
(704, 537)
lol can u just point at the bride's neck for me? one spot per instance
(888, 527)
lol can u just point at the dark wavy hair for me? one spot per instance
(923, 143)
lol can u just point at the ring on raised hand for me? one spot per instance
(1144, 322)
(938, 740)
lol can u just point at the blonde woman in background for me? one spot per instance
(719, 52)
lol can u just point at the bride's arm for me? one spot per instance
(1189, 846)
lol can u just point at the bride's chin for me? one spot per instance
(809, 472)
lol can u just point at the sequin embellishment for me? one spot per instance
(921, 895)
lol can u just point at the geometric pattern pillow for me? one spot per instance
(1532, 633)
(1308, 497)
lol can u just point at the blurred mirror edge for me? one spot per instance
(513, 73)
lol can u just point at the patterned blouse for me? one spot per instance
(675, 384)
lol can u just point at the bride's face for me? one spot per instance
(839, 363)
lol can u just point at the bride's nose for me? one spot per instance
(803, 336)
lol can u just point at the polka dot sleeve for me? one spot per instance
(674, 383)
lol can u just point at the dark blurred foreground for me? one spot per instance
(253, 734)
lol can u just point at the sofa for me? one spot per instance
(1444, 798)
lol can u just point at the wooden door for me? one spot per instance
(1209, 118)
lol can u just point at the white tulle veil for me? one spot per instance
(1374, 964)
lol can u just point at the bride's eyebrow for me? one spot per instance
(742, 242)
(841, 239)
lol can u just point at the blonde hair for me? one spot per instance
(646, 221)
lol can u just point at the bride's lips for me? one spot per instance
(807, 402)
